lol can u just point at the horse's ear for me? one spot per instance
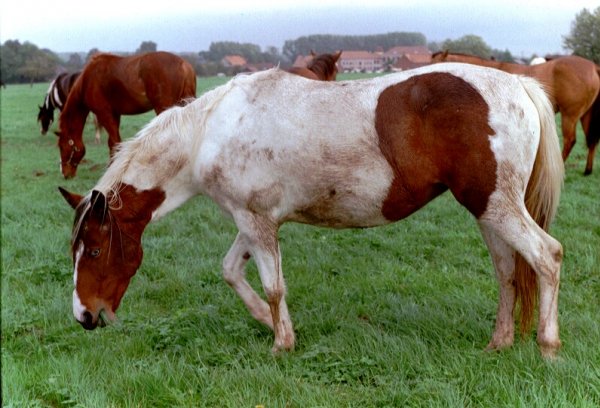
(72, 199)
(314, 54)
(99, 206)
(337, 55)
(445, 54)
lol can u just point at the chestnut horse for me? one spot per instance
(572, 83)
(271, 147)
(111, 86)
(321, 67)
(55, 98)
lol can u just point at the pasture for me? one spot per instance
(391, 316)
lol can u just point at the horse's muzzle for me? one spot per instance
(89, 323)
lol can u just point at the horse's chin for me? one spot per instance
(106, 316)
(68, 171)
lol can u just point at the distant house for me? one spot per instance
(402, 58)
(361, 61)
(234, 61)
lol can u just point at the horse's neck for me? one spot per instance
(163, 163)
(73, 117)
(74, 114)
(48, 101)
(503, 66)
(319, 69)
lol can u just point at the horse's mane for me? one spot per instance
(177, 131)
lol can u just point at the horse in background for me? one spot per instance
(537, 60)
(110, 86)
(322, 67)
(55, 98)
(265, 150)
(573, 85)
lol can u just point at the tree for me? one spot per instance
(584, 39)
(329, 43)
(75, 62)
(26, 62)
(91, 53)
(146, 46)
(469, 44)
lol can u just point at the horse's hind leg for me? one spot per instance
(569, 127)
(503, 258)
(513, 224)
(260, 234)
(235, 276)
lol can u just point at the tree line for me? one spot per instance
(25, 62)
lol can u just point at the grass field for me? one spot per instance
(385, 317)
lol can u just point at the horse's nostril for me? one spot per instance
(88, 321)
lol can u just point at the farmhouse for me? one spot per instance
(233, 61)
(361, 61)
(407, 57)
(397, 58)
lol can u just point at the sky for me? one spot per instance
(524, 27)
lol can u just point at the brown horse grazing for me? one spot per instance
(322, 67)
(572, 83)
(265, 150)
(111, 86)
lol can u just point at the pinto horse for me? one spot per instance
(573, 85)
(322, 67)
(272, 147)
(55, 98)
(111, 86)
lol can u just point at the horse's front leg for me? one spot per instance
(235, 275)
(261, 235)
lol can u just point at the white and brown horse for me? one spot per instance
(274, 147)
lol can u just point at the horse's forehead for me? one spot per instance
(84, 220)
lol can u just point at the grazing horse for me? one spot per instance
(572, 83)
(111, 86)
(272, 147)
(55, 98)
(321, 67)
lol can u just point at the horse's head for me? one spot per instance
(45, 117)
(440, 56)
(325, 65)
(107, 249)
(72, 151)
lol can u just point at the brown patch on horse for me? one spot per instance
(433, 130)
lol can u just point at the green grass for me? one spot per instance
(393, 316)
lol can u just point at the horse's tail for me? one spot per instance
(541, 196)
(188, 89)
(593, 134)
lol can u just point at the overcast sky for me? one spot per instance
(524, 27)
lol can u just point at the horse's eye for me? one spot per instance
(95, 252)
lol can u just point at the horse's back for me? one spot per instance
(361, 153)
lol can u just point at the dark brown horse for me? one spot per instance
(322, 67)
(572, 83)
(55, 98)
(111, 86)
